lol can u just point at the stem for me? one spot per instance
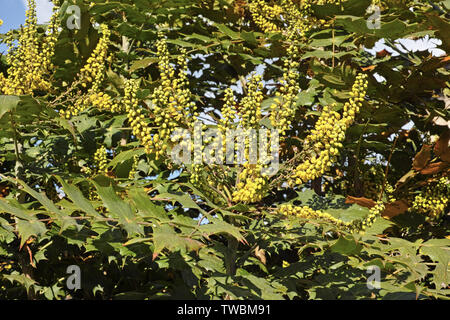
(387, 167)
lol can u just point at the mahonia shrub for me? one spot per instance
(114, 151)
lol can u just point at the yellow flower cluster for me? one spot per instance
(92, 74)
(306, 212)
(101, 160)
(6, 265)
(434, 200)
(250, 108)
(94, 69)
(326, 138)
(358, 225)
(134, 166)
(299, 17)
(251, 185)
(30, 62)
(172, 100)
(139, 126)
(362, 225)
(104, 101)
(228, 111)
(264, 15)
(282, 111)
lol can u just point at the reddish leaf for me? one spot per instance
(434, 168)
(395, 208)
(363, 202)
(422, 157)
(442, 148)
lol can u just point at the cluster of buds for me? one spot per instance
(251, 186)
(326, 138)
(282, 111)
(359, 225)
(172, 100)
(265, 16)
(434, 200)
(30, 62)
(91, 77)
(101, 160)
(305, 212)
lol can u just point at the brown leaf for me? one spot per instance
(442, 148)
(363, 202)
(260, 254)
(422, 157)
(394, 209)
(383, 53)
(434, 168)
(370, 68)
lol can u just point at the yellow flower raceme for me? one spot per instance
(101, 161)
(251, 187)
(326, 138)
(172, 100)
(250, 108)
(94, 69)
(133, 170)
(434, 200)
(91, 77)
(139, 126)
(306, 212)
(30, 61)
(265, 16)
(282, 111)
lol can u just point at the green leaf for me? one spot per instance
(146, 207)
(78, 199)
(165, 237)
(26, 229)
(346, 246)
(230, 33)
(116, 206)
(8, 103)
(142, 64)
(124, 156)
(221, 227)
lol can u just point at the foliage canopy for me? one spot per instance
(86, 176)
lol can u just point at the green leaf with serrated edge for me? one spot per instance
(225, 30)
(142, 64)
(217, 226)
(46, 202)
(26, 229)
(124, 156)
(164, 237)
(146, 207)
(117, 207)
(346, 246)
(17, 211)
(77, 198)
